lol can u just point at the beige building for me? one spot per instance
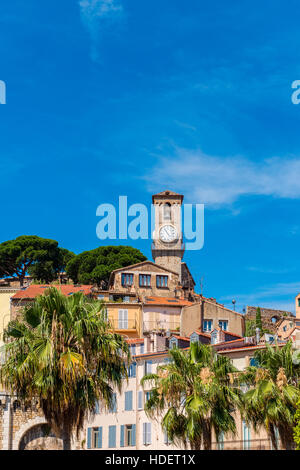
(127, 427)
(206, 315)
(6, 294)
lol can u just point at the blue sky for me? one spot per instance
(116, 97)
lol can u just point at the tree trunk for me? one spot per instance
(273, 437)
(66, 438)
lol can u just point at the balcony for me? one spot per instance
(161, 325)
(129, 324)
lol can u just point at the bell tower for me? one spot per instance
(167, 246)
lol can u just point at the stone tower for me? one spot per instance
(167, 246)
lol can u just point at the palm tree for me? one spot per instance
(194, 394)
(62, 352)
(272, 402)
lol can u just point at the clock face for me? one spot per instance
(168, 233)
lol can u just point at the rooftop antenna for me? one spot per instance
(233, 303)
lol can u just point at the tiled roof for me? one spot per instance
(172, 301)
(207, 335)
(34, 290)
(135, 340)
(184, 338)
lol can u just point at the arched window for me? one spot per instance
(167, 211)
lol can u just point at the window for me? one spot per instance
(128, 432)
(128, 401)
(148, 367)
(133, 350)
(299, 302)
(140, 401)
(123, 319)
(194, 338)
(145, 280)
(142, 348)
(173, 343)
(127, 279)
(214, 337)
(132, 370)
(113, 407)
(94, 438)
(147, 396)
(223, 324)
(246, 436)
(284, 328)
(112, 436)
(167, 212)
(161, 281)
(146, 433)
(207, 325)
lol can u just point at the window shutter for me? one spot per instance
(100, 438)
(166, 441)
(140, 400)
(128, 401)
(133, 434)
(149, 433)
(120, 319)
(112, 436)
(144, 433)
(89, 438)
(122, 435)
(134, 369)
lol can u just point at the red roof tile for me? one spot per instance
(34, 290)
(135, 340)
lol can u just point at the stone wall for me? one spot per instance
(266, 316)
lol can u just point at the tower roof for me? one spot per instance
(167, 194)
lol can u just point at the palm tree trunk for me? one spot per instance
(273, 437)
(66, 438)
(207, 436)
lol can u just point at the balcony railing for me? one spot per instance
(129, 324)
(149, 325)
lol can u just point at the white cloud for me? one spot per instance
(96, 15)
(219, 181)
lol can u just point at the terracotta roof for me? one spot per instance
(184, 338)
(231, 334)
(172, 301)
(201, 334)
(135, 340)
(34, 290)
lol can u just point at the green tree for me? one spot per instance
(271, 403)
(194, 396)
(95, 266)
(36, 256)
(250, 327)
(258, 321)
(297, 427)
(62, 352)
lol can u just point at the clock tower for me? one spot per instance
(167, 246)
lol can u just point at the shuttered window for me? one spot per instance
(112, 436)
(146, 433)
(128, 401)
(140, 400)
(123, 319)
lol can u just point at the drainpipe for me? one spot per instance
(7, 424)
